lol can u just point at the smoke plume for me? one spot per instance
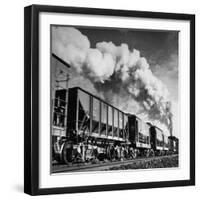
(120, 75)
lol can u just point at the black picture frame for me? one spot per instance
(31, 98)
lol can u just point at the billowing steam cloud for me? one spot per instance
(118, 73)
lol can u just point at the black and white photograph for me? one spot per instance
(109, 99)
(100, 100)
(114, 99)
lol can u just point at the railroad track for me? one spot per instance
(102, 166)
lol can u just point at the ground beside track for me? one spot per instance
(139, 163)
(164, 162)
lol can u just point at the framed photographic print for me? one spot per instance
(109, 100)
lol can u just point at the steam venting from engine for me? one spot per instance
(118, 74)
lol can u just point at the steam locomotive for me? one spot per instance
(86, 127)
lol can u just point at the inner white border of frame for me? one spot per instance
(46, 180)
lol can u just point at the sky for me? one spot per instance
(159, 48)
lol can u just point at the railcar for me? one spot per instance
(139, 136)
(157, 140)
(86, 128)
(173, 144)
(100, 129)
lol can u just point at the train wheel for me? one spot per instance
(152, 153)
(134, 154)
(147, 153)
(67, 152)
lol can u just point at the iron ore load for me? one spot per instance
(86, 127)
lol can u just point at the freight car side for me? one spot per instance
(91, 116)
(173, 144)
(139, 135)
(97, 126)
(157, 142)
